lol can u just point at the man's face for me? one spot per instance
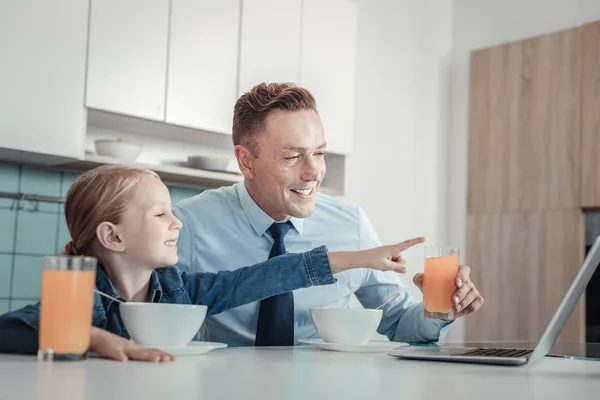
(290, 164)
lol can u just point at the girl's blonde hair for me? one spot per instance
(99, 195)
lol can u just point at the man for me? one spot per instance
(280, 149)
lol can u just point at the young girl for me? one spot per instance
(122, 216)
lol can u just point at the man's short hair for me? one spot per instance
(253, 107)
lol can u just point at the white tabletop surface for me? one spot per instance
(294, 373)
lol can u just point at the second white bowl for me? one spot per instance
(162, 324)
(210, 163)
(122, 150)
(349, 326)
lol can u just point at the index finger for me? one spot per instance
(409, 243)
(463, 275)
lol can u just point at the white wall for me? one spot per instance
(398, 169)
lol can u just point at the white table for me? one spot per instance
(294, 373)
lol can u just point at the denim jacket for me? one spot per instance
(220, 292)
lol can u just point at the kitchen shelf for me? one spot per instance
(170, 174)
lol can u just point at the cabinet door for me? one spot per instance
(525, 105)
(328, 66)
(523, 264)
(42, 76)
(203, 60)
(590, 116)
(270, 42)
(127, 66)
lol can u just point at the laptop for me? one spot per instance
(502, 356)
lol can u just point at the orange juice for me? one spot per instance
(66, 311)
(438, 285)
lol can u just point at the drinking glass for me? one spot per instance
(441, 269)
(66, 307)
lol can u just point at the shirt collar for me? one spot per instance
(156, 289)
(259, 219)
(104, 284)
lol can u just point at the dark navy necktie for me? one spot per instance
(276, 314)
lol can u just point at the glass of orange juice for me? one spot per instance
(441, 268)
(66, 307)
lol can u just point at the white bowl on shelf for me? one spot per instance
(119, 149)
(210, 163)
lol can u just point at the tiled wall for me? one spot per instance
(25, 235)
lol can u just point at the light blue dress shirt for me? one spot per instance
(224, 229)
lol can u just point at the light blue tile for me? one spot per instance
(20, 303)
(5, 274)
(4, 306)
(9, 182)
(63, 234)
(36, 233)
(41, 182)
(178, 193)
(66, 181)
(7, 230)
(27, 277)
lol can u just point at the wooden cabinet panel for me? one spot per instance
(524, 125)
(523, 264)
(590, 116)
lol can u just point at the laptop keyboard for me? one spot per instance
(512, 353)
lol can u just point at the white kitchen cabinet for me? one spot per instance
(270, 42)
(328, 66)
(127, 65)
(42, 77)
(203, 62)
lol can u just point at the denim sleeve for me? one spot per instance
(403, 319)
(229, 289)
(19, 328)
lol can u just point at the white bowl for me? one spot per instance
(349, 326)
(122, 150)
(211, 163)
(162, 324)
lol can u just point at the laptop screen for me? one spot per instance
(568, 303)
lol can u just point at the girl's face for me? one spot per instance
(148, 228)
